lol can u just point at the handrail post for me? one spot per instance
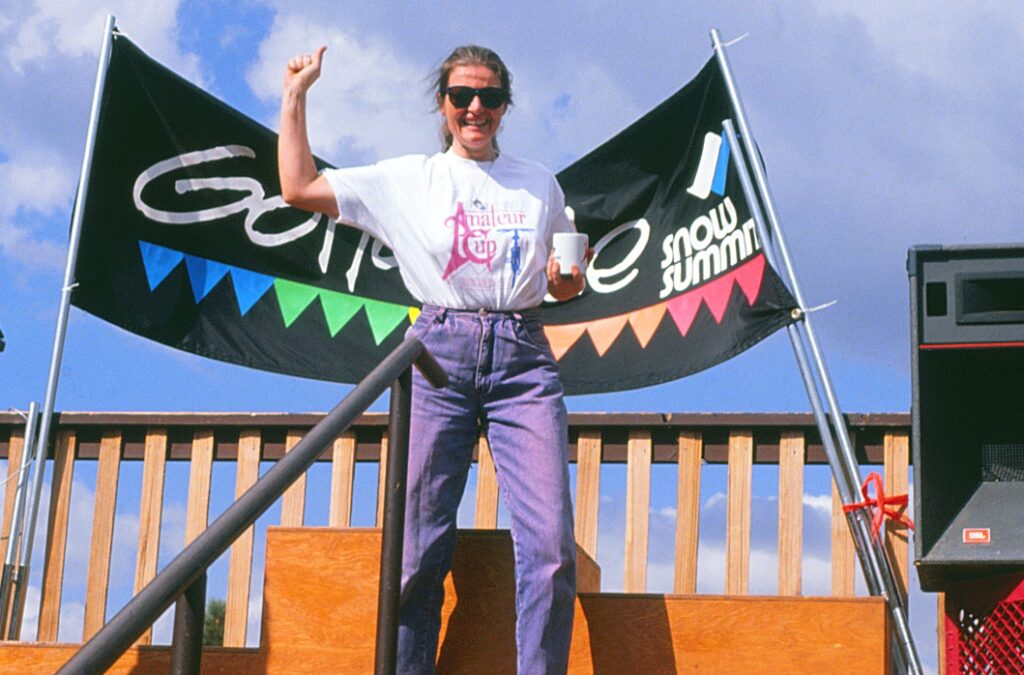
(100, 652)
(392, 537)
(189, 622)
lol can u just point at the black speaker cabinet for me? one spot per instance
(967, 325)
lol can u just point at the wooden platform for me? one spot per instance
(319, 616)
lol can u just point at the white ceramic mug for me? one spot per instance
(570, 248)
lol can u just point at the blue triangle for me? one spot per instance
(158, 261)
(204, 275)
(249, 287)
(722, 168)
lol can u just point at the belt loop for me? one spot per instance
(442, 315)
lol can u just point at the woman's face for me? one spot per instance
(473, 128)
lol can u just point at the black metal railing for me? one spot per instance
(184, 578)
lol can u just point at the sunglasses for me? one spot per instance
(491, 97)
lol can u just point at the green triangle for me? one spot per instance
(339, 308)
(384, 317)
(293, 298)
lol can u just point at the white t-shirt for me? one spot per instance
(466, 234)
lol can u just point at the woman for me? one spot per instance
(471, 229)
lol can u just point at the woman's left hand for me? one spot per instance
(564, 288)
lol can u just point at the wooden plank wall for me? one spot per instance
(738, 446)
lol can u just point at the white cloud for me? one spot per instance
(369, 98)
(818, 503)
(35, 182)
(930, 42)
(46, 29)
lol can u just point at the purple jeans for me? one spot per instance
(501, 376)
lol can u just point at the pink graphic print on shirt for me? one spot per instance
(471, 236)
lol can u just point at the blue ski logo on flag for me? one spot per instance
(714, 163)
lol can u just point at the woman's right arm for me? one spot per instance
(301, 187)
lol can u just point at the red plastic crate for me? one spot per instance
(985, 626)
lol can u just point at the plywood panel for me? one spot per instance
(638, 509)
(791, 511)
(236, 611)
(343, 467)
(688, 511)
(293, 503)
(737, 518)
(98, 580)
(486, 516)
(56, 536)
(32, 658)
(588, 488)
(726, 634)
(330, 628)
(150, 512)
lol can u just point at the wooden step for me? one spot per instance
(320, 617)
(21, 658)
(320, 601)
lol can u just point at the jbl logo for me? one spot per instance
(977, 535)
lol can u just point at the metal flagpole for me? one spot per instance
(877, 570)
(42, 440)
(10, 579)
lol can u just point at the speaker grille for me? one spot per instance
(1002, 462)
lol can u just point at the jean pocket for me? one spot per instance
(532, 332)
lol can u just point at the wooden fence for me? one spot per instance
(107, 444)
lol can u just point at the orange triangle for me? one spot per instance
(646, 321)
(604, 331)
(562, 337)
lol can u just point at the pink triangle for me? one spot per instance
(749, 277)
(683, 308)
(604, 331)
(562, 337)
(717, 293)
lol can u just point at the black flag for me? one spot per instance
(680, 281)
(186, 241)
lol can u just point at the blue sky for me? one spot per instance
(879, 128)
(883, 125)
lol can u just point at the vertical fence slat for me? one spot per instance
(14, 450)
(688, 511)
(343, 471)
(102, 533)
(588, 489)
(382, 479)
(198, 511)
(896, 448)
(486, 516)
(150, 512)
(293, 503)
(737, 533)
(638, 508)
(940, 602)
(791, 511)
(236, 611)
(843, 551)
(56, 537)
